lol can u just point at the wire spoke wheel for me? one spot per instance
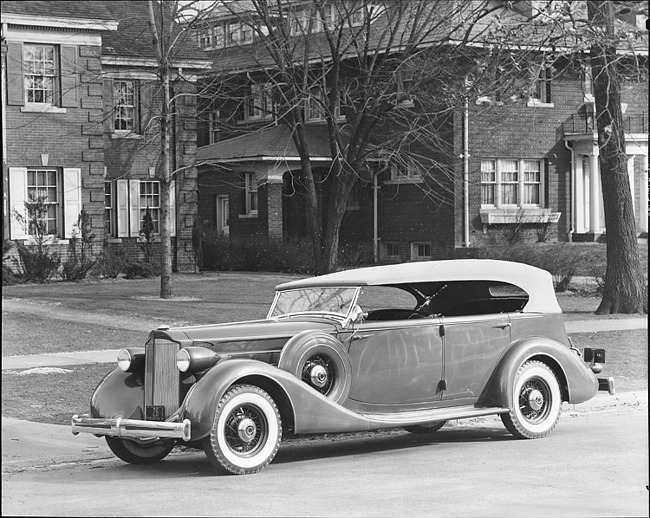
(246, 432)
(536, 402)
(318, 372)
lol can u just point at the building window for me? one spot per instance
(532, 182)
(420, 251)
(222, 213)
(108, 209)
(391, 250)
(125, 101)
(541, 94)
(488, 182)
(504, 185)
(215, 128)
(43, 186)
(260, 103)
(150, 200)
(405, 171)
(509, 175)
(353, 199)
(251, 193)
(40, 73)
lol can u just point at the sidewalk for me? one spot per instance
(110, 356)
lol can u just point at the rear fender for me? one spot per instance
(577, 383)
(307, 409)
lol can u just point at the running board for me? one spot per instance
(427, 416)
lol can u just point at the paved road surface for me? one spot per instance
(593, 464)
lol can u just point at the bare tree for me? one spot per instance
(363, 62)
(167, 39)
(623, 291)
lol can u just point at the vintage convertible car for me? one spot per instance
(410, 345)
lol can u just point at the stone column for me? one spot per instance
(594, 194)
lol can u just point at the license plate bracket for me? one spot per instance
(155, 413)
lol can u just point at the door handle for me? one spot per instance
(359, 337)
(502, 326)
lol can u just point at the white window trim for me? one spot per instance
(127, 208)
(250, 180)
(413, 175)
(257, 93)
(414, 250)
(520, 185)
(69, 203)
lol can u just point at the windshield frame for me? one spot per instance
(329, 314)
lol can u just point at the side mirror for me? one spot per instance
(356, 316)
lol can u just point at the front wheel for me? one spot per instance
(136, 453)
(537, 402)
(246, 432)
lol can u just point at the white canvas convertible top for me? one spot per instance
(536, 282)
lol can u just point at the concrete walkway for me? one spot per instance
(110, 356)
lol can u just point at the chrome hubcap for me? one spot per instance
(246, 429)
(318, 376)
(535, 400)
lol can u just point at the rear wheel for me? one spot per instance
(246, 432)
(537, 402)
(431, 427)
(137, 453)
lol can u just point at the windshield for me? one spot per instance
(319, 300)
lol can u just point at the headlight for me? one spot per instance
(194, 359)
(130, 359)
(183, 360)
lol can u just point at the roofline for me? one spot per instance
(152, 62)
(63, 23)
(262, 158)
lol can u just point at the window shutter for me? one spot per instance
(71, 198)
(69, 76)
(122, 208)
(17, 198)
(108, 106)
(134, 207)
(15, 89)
(172, 208)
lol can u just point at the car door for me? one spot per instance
(472, 348)
(396, 362)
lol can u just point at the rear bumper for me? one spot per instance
(606, 384)
(131, 428)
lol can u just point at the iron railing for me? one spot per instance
(584, 123)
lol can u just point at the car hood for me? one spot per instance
(219, 336)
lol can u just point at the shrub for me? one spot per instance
(215, 250)
(111, 263)
(8, 276)
(144, 269)
(35, 262)
(80, 247)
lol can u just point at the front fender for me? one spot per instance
(119, 394)
(580, 383)
(310, 411)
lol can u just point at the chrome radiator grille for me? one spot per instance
(162, 378)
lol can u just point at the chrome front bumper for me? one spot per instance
(131, 428)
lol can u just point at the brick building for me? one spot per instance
(529, 165)
(80, 96)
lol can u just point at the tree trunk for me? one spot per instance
(314, 227)
(623, 291)
(165, 186)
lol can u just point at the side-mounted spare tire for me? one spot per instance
(320, 361)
